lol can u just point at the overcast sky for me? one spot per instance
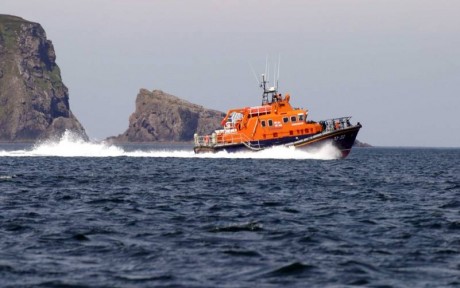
(393, 65)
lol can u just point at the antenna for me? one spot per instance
(268, 71)
(254, 73)
(279, 63)
(265, 94)
(266, 65)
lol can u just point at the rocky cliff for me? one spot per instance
(361, 144)
(163, 117)
(34, 103)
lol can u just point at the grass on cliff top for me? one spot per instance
(9, 26)
(12, 20)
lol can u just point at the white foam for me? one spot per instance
(5, 177)
(71, 145)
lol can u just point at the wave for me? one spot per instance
(72, 145)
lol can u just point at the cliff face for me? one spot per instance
(163, 117)
(361, 144)
(34, 103)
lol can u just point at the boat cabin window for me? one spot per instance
(301, 117)
(293, 119)
(262, 123)
(235, 116)
(270, 122)
(285, 119)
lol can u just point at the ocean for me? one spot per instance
(77, 214)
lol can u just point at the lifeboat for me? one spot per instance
(276, 123)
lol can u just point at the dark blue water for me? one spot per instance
(380, 218)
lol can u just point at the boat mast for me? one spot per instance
(267, 91)
(263, 86)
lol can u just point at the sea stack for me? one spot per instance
(161, 117)
(34, 103)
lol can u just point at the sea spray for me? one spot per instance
(72, 145)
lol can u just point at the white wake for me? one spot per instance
(71, 145)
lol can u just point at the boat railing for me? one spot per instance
(203, 140)
(214, 140)
(335, 124)
(260, 110)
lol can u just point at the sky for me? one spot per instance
(392, 65)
